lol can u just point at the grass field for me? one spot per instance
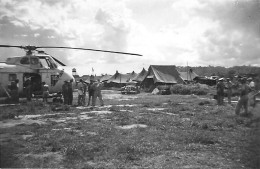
(130, 131)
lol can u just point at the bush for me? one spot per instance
(197, 89)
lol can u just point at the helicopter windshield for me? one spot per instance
(47, 63)
(27, 61)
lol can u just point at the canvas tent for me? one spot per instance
(86, 78)
(119, 80)
(105, 78)
(162, 75)
(140, 76)
(188, 76)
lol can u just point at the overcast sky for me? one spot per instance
(168, 32)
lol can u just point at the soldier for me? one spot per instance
(45, 92)
(28, 88)
(70, 92)
(243, 99)
(80, 93)
(220, 91)
(84, 92)
(91, 90)
(14, 91)
(229, 90)
(97, 93)
(65, 89)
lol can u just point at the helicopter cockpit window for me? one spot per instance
(47, 63)
(25, 61)
(34, 61)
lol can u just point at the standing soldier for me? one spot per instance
(243, 99)
(70, 92)
(84, 92)
(220, 91)
(97, 93)
(80, 92)
(45, 92)
(14, 91)
(65, 92)
(229, 90)
(91, 90)
(28, 88)
(17, 90)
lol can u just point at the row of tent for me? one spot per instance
(156, 75)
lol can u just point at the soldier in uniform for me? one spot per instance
(65, 91)
(70, 92)
(80, 93)
(220, 91)
(229, 90)
(28, 88)
(243, 99)
(97, 93)
(91, 90)
(45, 92)
(14, 91)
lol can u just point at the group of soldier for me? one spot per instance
(245, 86)
(13, 90)
(93, 89)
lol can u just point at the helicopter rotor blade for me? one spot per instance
(96, 50)
(31, 48)
(11, 46)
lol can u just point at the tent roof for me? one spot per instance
(164, 74)
(140, 76)
(122, 78)
(189, 76)
(105, 77)
(86, 78)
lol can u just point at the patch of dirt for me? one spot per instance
(132, 126)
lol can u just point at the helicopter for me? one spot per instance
(39, 67)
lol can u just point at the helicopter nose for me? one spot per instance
(67, 77)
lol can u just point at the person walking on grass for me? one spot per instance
(243, 99)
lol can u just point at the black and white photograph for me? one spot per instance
(130, 84)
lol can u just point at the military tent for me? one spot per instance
(188, 76)
(140, 76)
(161, 75)
(119, 80)
(105, 77)
(87, 78)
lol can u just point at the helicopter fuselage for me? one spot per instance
(40, 68)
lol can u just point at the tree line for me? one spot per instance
(223, 71)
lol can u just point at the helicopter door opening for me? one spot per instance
(36, 82)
